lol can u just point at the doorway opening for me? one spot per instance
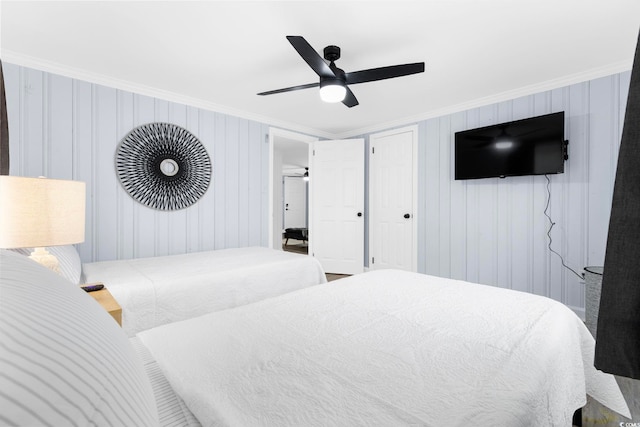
(288, 191)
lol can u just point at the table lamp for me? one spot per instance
(39, 212)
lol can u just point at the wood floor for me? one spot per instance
(331, 276)
(302, 248)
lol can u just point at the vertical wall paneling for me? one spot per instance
(601, 167)
(458, 205)
(243, 182)
(494, 231)
(520, 225)
(504, 215)
(444, 194)
(177, 220)
(106, 187)
(192, 225)
(126, 222)
(233, 183)
(33, 135)
(575, 101)
(539, 263)
(473, 223)
(220, 187)
(206, 207)
(485, 211)
(82, 118)
(144, 217)
(554, 285)
(255, 216)
(60, 127)
(161, 237)
(69, 129)
(490, 231)
(431, 194)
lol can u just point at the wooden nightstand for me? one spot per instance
(109, 303)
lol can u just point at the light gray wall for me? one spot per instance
(489, 231)
(493, 231)
(69, 129)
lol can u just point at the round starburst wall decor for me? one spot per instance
(163, 166)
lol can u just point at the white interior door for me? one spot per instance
(295, 202)
(336, 211)
(392, 199)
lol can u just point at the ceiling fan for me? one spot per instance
(333, 81)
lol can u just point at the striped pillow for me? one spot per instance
(63, 360)
(172, 410)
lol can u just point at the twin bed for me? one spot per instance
(381, 348)
(159, 290)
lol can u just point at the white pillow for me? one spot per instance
(63, 359)
(68, 257)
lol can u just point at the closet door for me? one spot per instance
(393, 199)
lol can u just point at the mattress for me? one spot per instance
(386, 348)
(159, 290)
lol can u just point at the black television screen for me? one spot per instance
(534, 146)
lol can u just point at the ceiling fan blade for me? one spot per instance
(350, 99)
(382, 73)
(289, 89)
(311, 57)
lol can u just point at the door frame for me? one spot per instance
(274, 135)
(372, 213)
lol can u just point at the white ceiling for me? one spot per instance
(219, 54)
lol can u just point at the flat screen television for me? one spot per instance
(534, 146)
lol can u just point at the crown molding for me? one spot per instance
(96, 78)
(581, 77)
(104, 80)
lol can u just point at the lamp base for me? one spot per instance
(43, 257)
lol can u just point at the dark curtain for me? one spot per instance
(618, 335)
(4, 129)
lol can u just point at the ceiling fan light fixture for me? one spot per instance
(333, 90)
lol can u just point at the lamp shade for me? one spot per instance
(38, 212)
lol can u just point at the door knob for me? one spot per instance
(407, 216)
(359, 213)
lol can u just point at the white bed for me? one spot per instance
(159, 290)
(385, 348)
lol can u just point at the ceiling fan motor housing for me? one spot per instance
(332, 53)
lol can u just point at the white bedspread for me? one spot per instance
(159, 290)
(386, 348)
